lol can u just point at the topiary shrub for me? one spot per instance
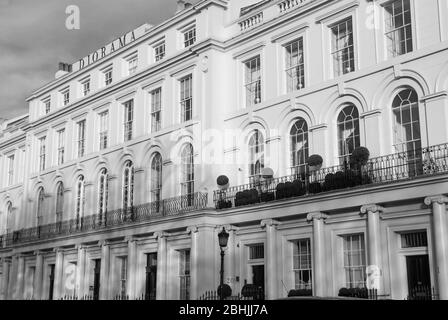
(298, 188)
(360, 156)
(280, 190)
(267, 196)
(329, 183)
(226, 290)
(339, 180)
(251, 291)
(300, 293)
(315, 161)
(315, 187)
(224, 204)
(344, 292)
(222, 180)
(289, 189)
(253, 196)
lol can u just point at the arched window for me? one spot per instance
(59, 202)
(103, 191)
(299, 146)
(9, 218)
(128, 185)
(40, 206)
(407, 134)
(348, 132)
(80, 197)
(187, 167)
(256, 154)
(156, 178)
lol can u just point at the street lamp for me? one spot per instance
(223, 238)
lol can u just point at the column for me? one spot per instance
(374, 265)
(436, 107)
(6, 271)
(105, 269)
(318, 144)
(440, 242)
(271, 272)
(58, 274)
(161, 265)
(274, 145)
(38, 276)
(372, 128)
(12, 278)
(20, 284)
(207, 272)
(80, 272)
(229, 262)
(140, 187)
(194, 253)
(132, 262)
(318, 254)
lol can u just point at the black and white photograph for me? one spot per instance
(244, 152)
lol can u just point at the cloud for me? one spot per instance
(34, 39)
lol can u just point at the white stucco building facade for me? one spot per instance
(107, 186)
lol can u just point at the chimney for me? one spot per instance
(63, 69)
(180, 5)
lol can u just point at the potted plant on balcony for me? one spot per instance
(266, 192)
(315, 162)
(226, 291)
(358, 160)
(300, 293)
(223, 183)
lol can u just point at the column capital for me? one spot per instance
(316, 216)
(160, 234)
(80, 247)
(130, 239)
(229, 227)
(192, 229)
(38, 253)
(440, 199)
(269, 223)
(371, 208)
(59, 250)
(103, 243)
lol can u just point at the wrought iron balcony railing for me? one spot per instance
(131, 215)
(386, 169)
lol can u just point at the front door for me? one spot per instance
(51, 288)
(96, 280)
(151, 276)
(258, 278)
(419, 280)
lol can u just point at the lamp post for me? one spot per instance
(223, 238)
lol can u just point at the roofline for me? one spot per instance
(154, 30)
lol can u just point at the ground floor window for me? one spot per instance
(354, 261)
(184, 274)
(302, 264)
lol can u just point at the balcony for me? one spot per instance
(386, 169)
(128, 216)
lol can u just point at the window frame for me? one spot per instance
(159, 51)
(413, 39)
(299, 167)
(349, 282)
(300, 270)
(189, 36)
(187, 170)
(11, 169)
(335, 72)
(156, 109)
(103, 129)
(107, 75)
(253, 159)
(81, 138)
(186, 97)
(156, 178)
(344, 157)
(128, 120)
(258, 82)
(302, 65)
(61, 146)
(42, 152)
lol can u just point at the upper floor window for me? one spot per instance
(156, 107)
(128, 119)
(256, 154)
(398, 27)
(295, 65)
(85, 84)
(11, 169)
(107, 76)
(81, 138)
(65, 97)
(302, 264)
(252, 82)
(186, 98)
(132, 64)
(42, 153)
(104, 129)
(40, 206)
(342, 48)
(123, 275)
(187, 163)
(407, 132)
(190, 36)
(59, 202)
(348, 133)
(47, 105)
(299, 146)
(159, 51)
(61, 146)
(9, 218)
(156, 177)
(354, 261)
(128, 185)
(103, 190)
(80, 198)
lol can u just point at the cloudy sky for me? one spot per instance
(33, 39)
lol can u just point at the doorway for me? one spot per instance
(51, 287)
(419, 278)
(258, 278)
(96, 279)
(151, 276)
